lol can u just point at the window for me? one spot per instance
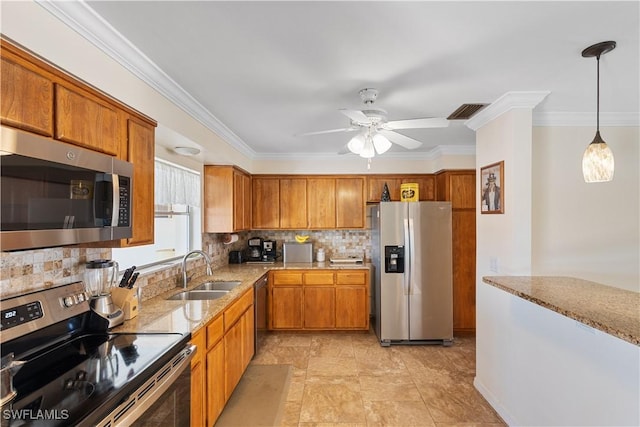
(177, 218)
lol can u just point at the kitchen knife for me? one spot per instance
(133, 280)
(126, 276)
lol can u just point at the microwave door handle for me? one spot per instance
(115, 197)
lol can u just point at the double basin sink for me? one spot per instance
(207, 291)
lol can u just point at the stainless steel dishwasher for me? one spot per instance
(260, 311)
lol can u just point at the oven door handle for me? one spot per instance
(147, 394)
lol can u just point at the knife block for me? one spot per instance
(127, 300)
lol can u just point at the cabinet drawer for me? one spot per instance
(281, 278)
(215, 331)
(320, 278)
(234, 312)
(351, 278)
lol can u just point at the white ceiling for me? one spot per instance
(266, 71)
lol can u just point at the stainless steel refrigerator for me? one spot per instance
(411, 252)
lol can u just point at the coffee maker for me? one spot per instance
(254, 250)
(99, 277)
(269, 250)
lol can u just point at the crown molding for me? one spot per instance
(434, 153)
(585, 119)
(506, 102)
(86, 22)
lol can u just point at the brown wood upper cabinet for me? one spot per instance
(308, 202)
(227, 199)
(84, 120)
(375, 186)
(141, 152)
(266, 202)
(293, 203)
(27, 96)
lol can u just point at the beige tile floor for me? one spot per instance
(348, 379)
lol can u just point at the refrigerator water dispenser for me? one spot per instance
(394, 259)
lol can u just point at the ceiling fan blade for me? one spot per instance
(322, 132)
(355, 115)
(404, 141)
(433, 122)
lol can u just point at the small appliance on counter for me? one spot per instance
(254, 249)
(297, 252)
(269, 250)
(261, 251)
(99, 277)
(236, 257)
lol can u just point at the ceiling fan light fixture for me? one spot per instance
(356, 144)
(381, 143)
(597, 162)
(368, 151)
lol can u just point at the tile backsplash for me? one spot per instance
(27, 271)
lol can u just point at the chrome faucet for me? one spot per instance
(185, 279)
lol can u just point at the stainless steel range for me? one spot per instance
(76, 375)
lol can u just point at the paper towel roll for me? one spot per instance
(228, 239)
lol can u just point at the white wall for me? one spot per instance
(590, 231)
(535, 366)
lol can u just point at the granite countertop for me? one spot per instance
(161, 315)
(605, 308)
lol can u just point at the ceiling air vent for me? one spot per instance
(466, 111)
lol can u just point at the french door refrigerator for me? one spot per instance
(411, 252)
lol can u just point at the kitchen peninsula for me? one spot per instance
(570, 351)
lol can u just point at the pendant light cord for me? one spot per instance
(598, 95)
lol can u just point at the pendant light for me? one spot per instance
(597, 162)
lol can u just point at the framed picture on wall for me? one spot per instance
(492, 188)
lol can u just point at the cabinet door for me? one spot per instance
(141, 153)
(351, 307)
(319, 307)
(83, 120)
(464, 269)
(293, 203)
(266, 203)
(198, 380)
(426, 186)
(463, 191)
(376, 185)
(241, 201)
(216, 397)
(246, 195)
(248, 336)
(350, 205)
(233, 362)
(286, 307)
(27, 99)
(321, 202)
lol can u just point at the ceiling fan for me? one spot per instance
(375, 132)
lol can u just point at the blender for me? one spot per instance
(99, 277)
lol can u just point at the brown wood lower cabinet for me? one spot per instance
(225, 348)
(319, 299)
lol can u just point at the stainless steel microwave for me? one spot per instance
(56, 194)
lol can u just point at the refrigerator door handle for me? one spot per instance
(412, 254)
(407, 253)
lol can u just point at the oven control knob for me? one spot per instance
(81, 297)
(68, 301)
